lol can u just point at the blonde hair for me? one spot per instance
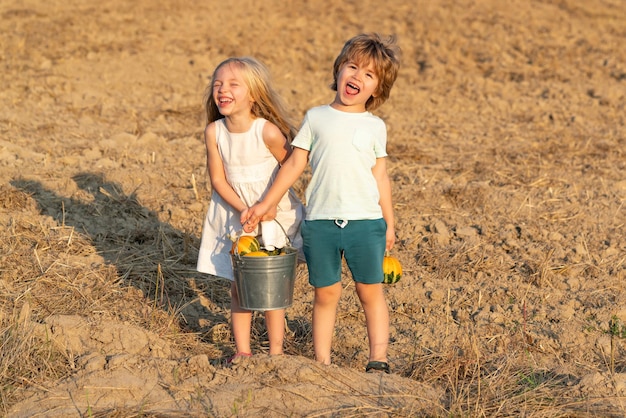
(267, 103)
(382, 53)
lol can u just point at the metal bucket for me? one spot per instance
(265, 283)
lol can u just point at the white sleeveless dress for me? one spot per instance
(250, 169)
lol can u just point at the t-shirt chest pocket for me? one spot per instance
(363, 140)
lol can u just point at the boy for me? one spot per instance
(349, 209)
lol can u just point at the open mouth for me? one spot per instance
(352, 89)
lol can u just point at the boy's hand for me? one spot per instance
(270, 215)
(390, 238)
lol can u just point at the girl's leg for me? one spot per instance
(275, 323)
(376, 319)
(324, 315)
(241, 322)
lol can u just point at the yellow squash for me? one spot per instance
(256, 254)
(392, 269)
(245, 244)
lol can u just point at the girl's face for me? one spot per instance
(230, 92)
(356, 83)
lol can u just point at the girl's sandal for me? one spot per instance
(238, 356)
(378, 366)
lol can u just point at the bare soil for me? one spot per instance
(507, 144)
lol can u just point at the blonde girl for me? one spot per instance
(247, 137)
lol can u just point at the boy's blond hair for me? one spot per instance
(267, 103)
(382, 53)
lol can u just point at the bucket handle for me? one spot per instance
(236, 254)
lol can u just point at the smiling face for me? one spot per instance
(356, 83)
(230, 91)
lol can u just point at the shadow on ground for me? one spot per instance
(148, 254)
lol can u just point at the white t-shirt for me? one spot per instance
(343, 148)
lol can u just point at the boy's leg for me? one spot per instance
(275, 323)
(324, 314)
(365, 260)
(376, 319)
(241, 322)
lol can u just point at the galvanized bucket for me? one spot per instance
(266, 283)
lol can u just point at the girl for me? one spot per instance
(247, 138)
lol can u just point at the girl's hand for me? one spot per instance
(251, 217)
(245, 221)
(244, 216)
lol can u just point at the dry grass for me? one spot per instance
(470, 316)
(50, 268)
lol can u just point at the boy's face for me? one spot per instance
(230, 92)
(356, 83)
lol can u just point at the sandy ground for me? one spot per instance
(507, 154)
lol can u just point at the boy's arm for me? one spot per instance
(280, 148)
(286, 177)
(384, 189)
(276, 142)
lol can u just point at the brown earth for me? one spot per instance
(507, 154)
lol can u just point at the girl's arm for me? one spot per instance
(287, 176)
(384, 189)
(217, 175)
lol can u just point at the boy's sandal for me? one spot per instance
(379, 366)
(237, 356)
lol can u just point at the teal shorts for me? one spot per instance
(362, 243)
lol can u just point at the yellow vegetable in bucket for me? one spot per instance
(256, 254)
(244, 245)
